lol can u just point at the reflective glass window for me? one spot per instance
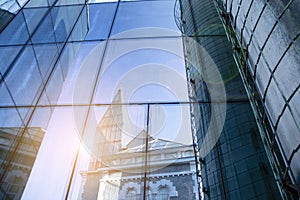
(100, 16)
(140, 15)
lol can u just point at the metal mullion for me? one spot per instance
(30, 117)
(269, 35)
(244, 23)
(237, 13)
(69, 184)
(276, 66)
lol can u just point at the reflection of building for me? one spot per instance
(32, 72)
(5, 17)
(170, 173)
(109, 133)
(23, 159)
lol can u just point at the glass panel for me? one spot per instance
(24, 80)
(16, 31)
(64, 19)
(34, 17)
(17, 152)
(5, 61)
(170, 156)
(81, 28)
(126, 63)
(294, 105)
(80, 81)
(20, 158)
(289, 137)
(288, 73)
(11, 6)
(212, 72)
(253, 55)
(46, 57)
(69, 2)
(5, 97)
(101, 1)
(274, 101)
(200, 18)
(264, 26)
(57, 152)
(272, 50)
(115, 140)
(253, 14)
(158, 15)
(262, 75)
(45, 32)
(290, 17)
(54, 85)
(101, 16)
(37, 3)
(233, 153)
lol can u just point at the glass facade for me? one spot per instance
(145, 99)
(236, 165)
(266, 40)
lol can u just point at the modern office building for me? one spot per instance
(267, 33)
(262, 36)
(220, 76)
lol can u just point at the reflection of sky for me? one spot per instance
(134, 66)
(132, 15)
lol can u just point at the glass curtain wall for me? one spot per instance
(33, 36)
(94, 102)
(233, 161)
(267, 33)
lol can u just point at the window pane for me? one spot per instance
(126, 63)
(135, 15)
(101, 16)
(24, 80)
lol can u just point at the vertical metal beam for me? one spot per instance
(146, 152)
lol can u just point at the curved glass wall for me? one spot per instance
(269, 34)
(237, 166)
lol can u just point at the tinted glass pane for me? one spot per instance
(126, 63)
(64, 18)
(7, 60)
(69, 2)
(101, 16)
(139, 15)
(84, 62)
(24, 79)
(58, 153)
(16, 32)
(46, 57)
(34, 17)
(38, 3)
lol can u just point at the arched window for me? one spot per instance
(163, 194)
(131, 194)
